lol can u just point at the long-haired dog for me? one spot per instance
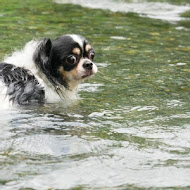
(46, 71)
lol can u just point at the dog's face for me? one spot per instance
(68, 58)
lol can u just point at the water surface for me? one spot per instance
(131, 127)
(153, 9)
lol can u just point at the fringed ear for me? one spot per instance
(42, 58)
(42, 54)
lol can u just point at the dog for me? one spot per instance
(46, 70)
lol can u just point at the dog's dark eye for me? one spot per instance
(71, 59)
(91, 55)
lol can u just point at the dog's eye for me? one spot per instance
(71, 59)
(91, 55)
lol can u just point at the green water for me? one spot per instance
(131, 128)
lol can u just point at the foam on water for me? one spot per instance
(156, 10)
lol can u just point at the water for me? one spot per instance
(157, 10)
(131, 127)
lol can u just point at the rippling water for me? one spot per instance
(131, 127)
(157, 10)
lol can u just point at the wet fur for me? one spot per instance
(40, 72)
(22, 86)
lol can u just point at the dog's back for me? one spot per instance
(19, 85)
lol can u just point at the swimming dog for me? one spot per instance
(46, 70)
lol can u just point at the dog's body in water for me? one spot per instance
(46, 71)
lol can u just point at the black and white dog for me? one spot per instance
(46, 71)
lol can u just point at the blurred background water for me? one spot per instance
(131, 127)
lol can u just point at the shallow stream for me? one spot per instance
(131, 127)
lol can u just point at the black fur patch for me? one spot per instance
(22, 87)
(43, 59)
(62, 48)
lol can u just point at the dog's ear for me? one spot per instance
(42, 53)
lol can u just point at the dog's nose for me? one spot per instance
(88, 65)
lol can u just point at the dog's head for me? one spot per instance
(68, 59)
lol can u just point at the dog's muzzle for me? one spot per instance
(88, 65)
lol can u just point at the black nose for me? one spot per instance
(88, 65)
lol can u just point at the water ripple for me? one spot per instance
(164, 11)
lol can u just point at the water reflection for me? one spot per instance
(156, 10)
(129, 129)
(71, 144)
